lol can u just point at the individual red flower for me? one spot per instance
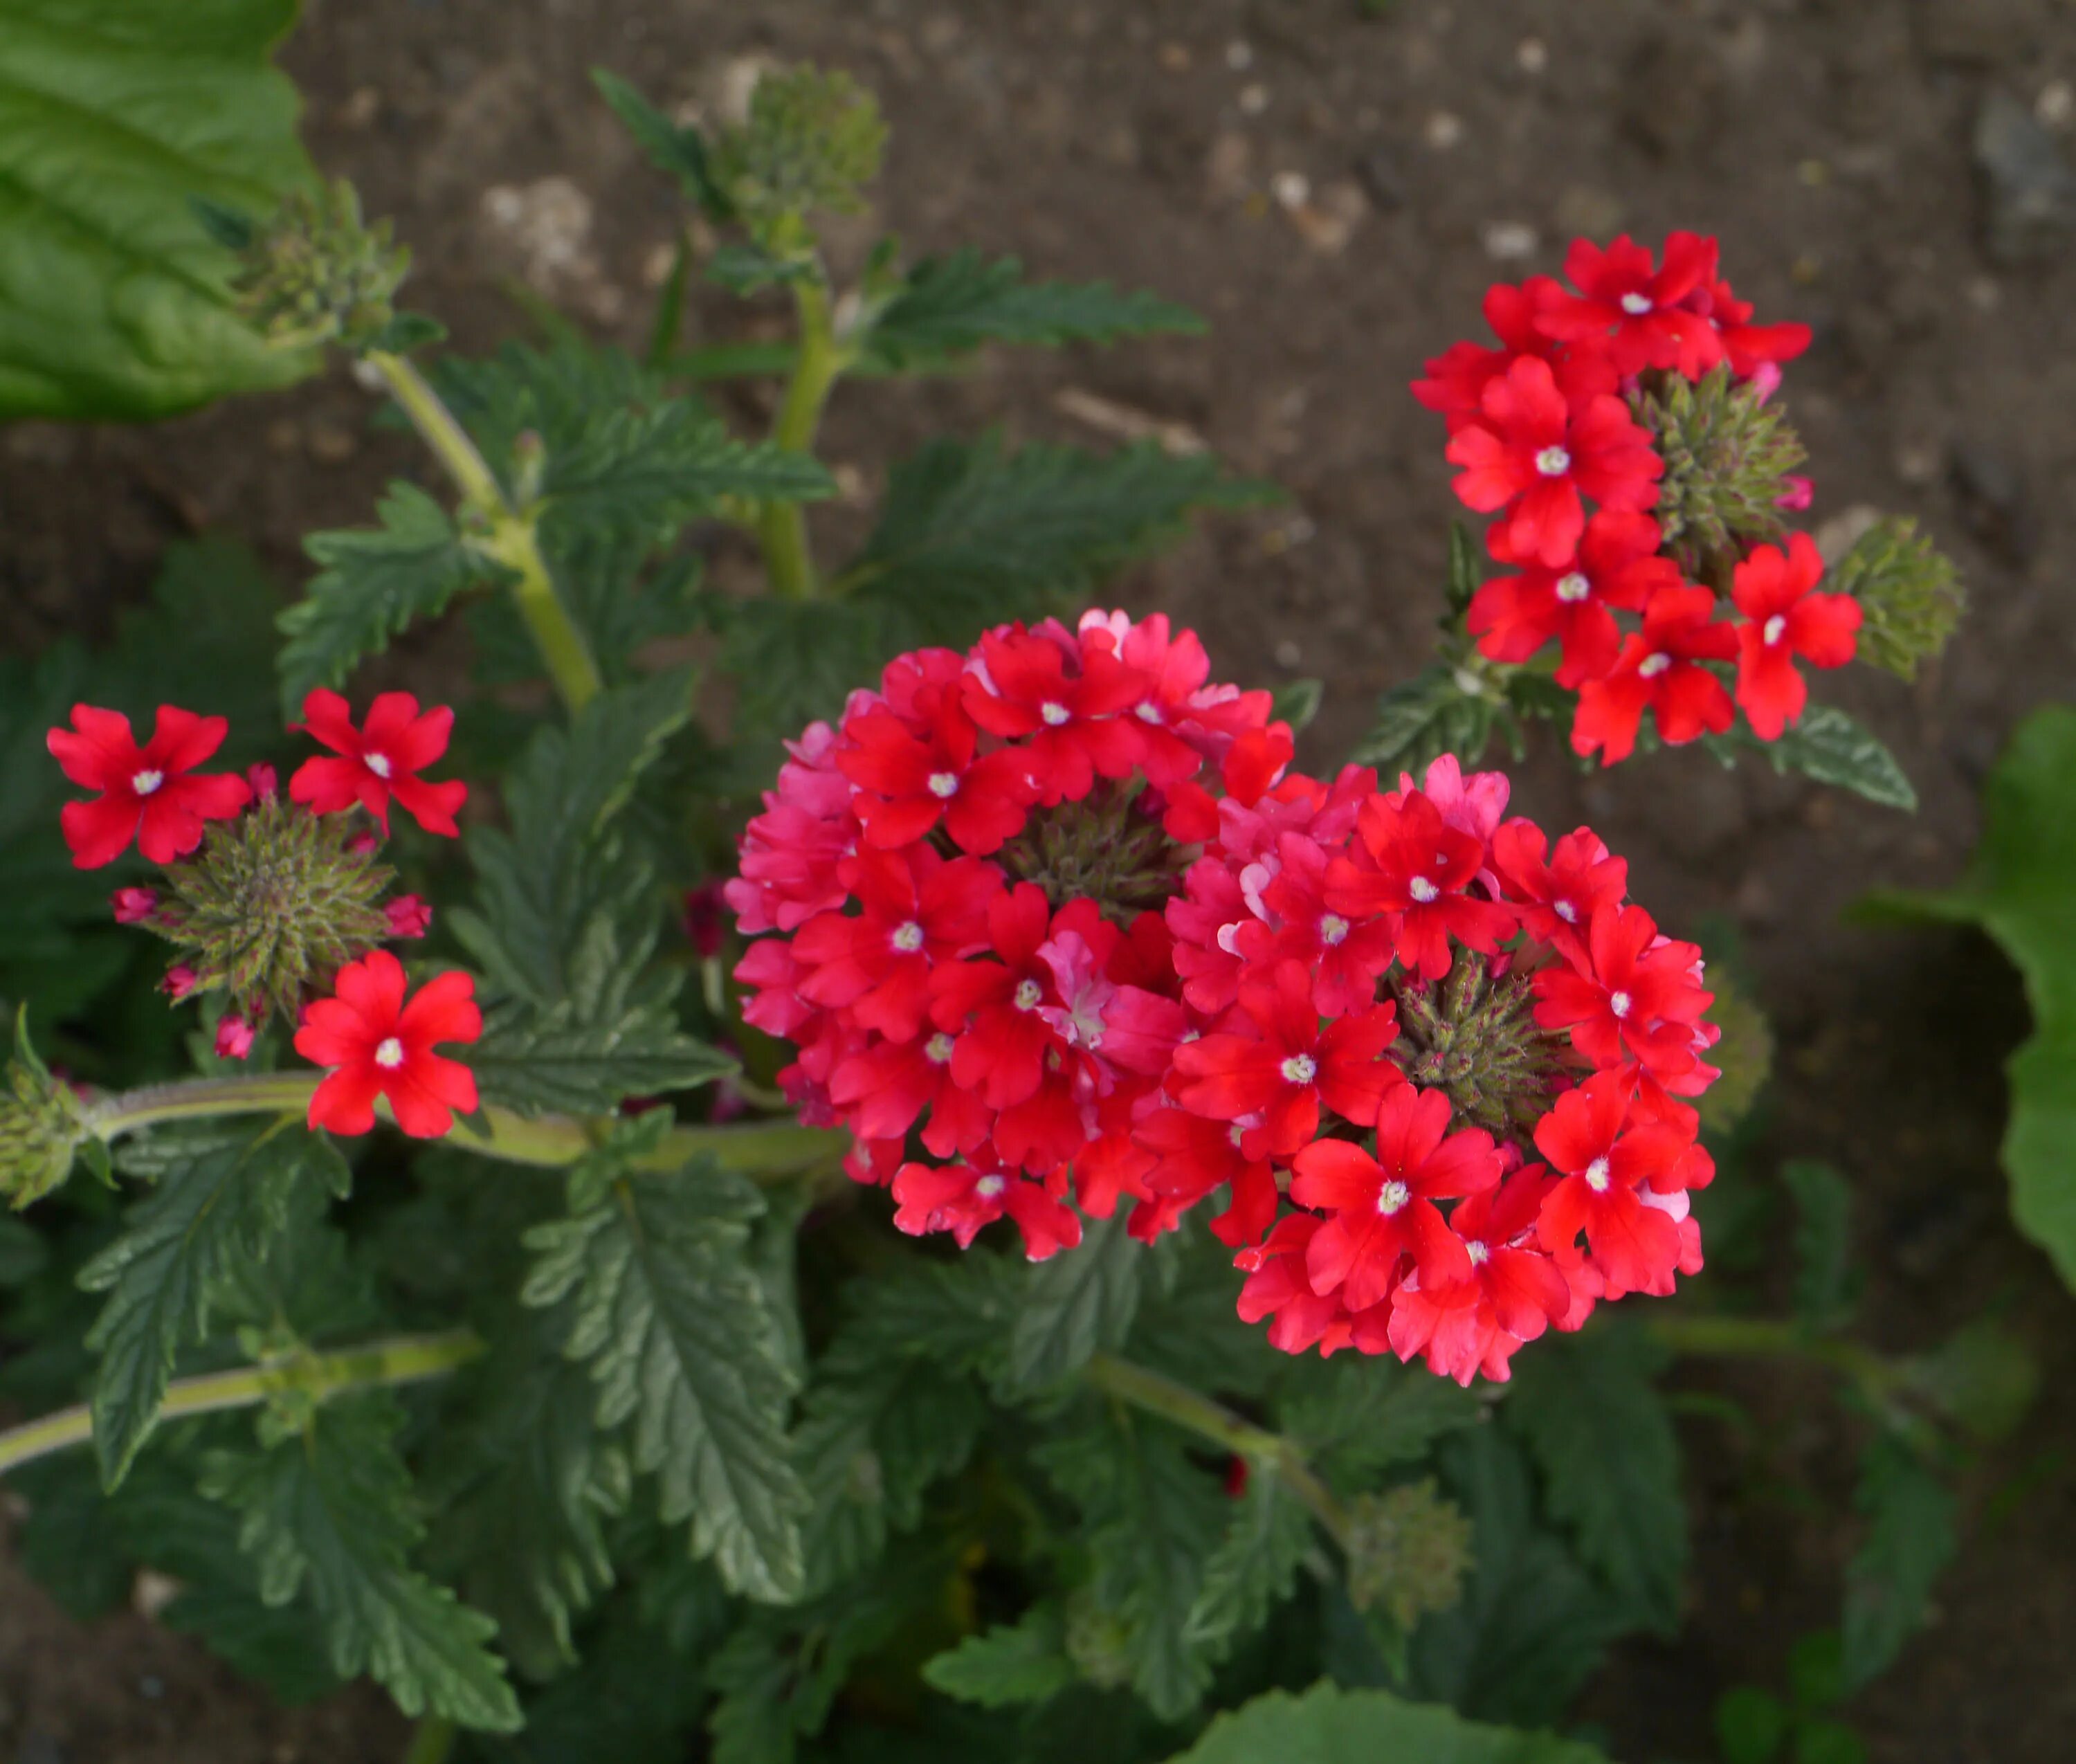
(1346, 954)
(1603, 1160)
(887, 1086)
(1183, 721)
(1633, 309)
(1555, 901)
(962, 1198)
(1277, 1062)
(1193, 1155)
(1534, 455)
(1456, 379)
(908, 780)
(1660, 670)
(1773, 590)
(1619, 565)
(1638, 1000)
(1416, 868)
(150, 793)
(234, 1037)
(919, 910)
(134, 906)
(1382, 1208)
(1070, 721)
(1749, 347)
(379, 761)
(1278, 1285)
(376, 1044)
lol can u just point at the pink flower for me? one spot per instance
(408, 916)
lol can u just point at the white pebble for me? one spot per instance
(1291, 189)
(1532, 55)
(1287, 655)
(1445, 129)
(1239, 55)
(2056, 104)
(1508, 242)
(1253, 99)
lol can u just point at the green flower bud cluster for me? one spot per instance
(1409, 1549)
(1910, 596)
(1104, 848)
(272, 905)
(41, 1124)
(812, 142)
(1475, 1037)
(1727, 454)
(316, 273)
(1745, 1055)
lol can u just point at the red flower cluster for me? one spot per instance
(1143, 960)
(305, 904)
(1542, 424)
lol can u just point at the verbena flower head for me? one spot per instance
(1142, 960)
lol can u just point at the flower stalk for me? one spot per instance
(781, 527)
(398, 1359)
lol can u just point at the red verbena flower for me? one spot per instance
(378, 1045)
(1660, 670)
(1785, 619)
(1634, 310)
(150, 793)
(1618, 567)
(378, 762)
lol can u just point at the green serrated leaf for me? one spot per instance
(794, 661)
(1981, 1377)
(224, 1190)
(679, 151)
(1826, 1286)
(1355, 1418)
(540, 1061)
(1080, 1301)
(1531, 1625)
(1589, 1411)
(950, 305)
(1151, 1520)
(2017, 890)
(1441, 709)
(970, 535)
(1910, 1538)
(330, 1510)
(1298, 703)
(1329, 1725)
(371, 585)
(1467, 571)
(1024, 1661)
(1830, 747)
(1254, 1567)
(673, 1324)
(113, 116)
(742, 268)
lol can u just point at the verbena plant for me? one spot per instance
(607, 1399)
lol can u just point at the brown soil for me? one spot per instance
(1156, 143)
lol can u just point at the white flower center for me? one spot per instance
(1573, 588)
(1236, 1133)
(1567, 911)
(943, 785)
(1653, 665)
(1619, 1003)
(376, 763)
(390, 1055)
(1333, 929)
(907, 938)
(1054, 712)
(1479, 1253)
(1553, 462)
(1392, 1196)
(1026, 995)
(1636, 305)
(937, 1050)
(1147, 713)
(1596, 1175)
(1422, 890)
(147, 780)
(989, 1186)
(1300, 1069)
(1775, 627)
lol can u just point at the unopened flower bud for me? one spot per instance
(234, 1037)
(1409, 1549)
(264, 781)
(316, 272)
(179, 982)
(813, 142)
(363, 844)
(41, 1125)
(1910, 597)
(1729, 458)
(134, 906)
(408, 916)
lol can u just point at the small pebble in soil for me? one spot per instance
(1509, 242)
(1239, 55)
(1531, 55)
(1287, 655)
(1445, 129)
(1175, 57)
(1253, 99)
(2029, 192)
(1291, 189)
(2056, 106)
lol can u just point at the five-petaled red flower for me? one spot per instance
(1634, 310)
(378, 762)
(1417, 870)
(1660, 670)
(1773, 590)
(1618, 565)
(378, 1045)
(1605, 1159)
(150, 793)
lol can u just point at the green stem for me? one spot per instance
(1160, 1395)
(789, 562)
(402, 1359)
(1749, 1338)
(772, 1149)
(514, 539)
(432, 1740)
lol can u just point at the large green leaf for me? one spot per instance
(1081, 1300)
(1910, 1539)
(1328, 1725)
(114, 114)
(2018, 890)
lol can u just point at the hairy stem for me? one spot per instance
(514, 540)
(772, 1149)
(1751, 1337)
(432, 1740)
(1162, 1396)
(400, 1359)
(789, 563)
